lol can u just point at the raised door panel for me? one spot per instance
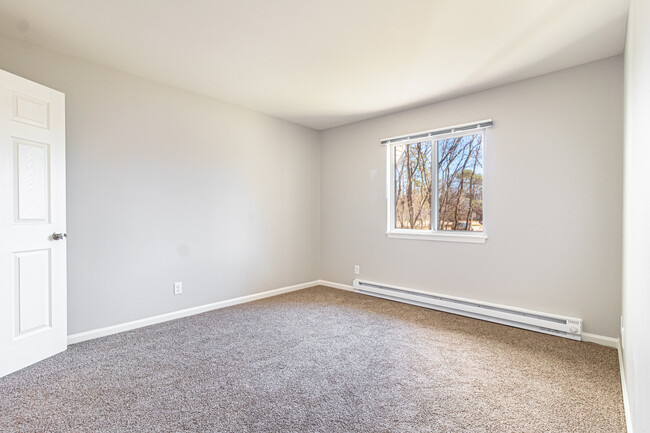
(31, 181)
(30, 110)
(33, 291)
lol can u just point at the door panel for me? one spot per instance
(33, 311)
(31, 111)
(33, 291)
(31, 181)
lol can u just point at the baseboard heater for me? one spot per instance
(567, 327)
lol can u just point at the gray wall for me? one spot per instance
(553, 201)
(636, 239)
(168, 186)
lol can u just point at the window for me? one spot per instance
(435, 186)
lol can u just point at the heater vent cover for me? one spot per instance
(568, 327)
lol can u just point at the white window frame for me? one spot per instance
(433, 234)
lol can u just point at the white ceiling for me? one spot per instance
(323, 63)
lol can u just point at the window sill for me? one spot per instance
(474, 238)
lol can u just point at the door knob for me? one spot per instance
(58, 236)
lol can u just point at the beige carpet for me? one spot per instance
(320, 360)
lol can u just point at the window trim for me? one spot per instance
(434, 234)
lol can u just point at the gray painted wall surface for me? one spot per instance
(636, 240)
(168, 186)
(553, 205)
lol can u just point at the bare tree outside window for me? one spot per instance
(413, 186)
(453, 167)
(460, 183)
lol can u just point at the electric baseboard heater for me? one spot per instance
(567, 327)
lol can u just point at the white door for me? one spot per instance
(33, 317)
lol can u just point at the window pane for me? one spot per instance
(413, 186)
(460, 183)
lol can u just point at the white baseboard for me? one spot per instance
(109, 330)
(626, 402)
(600, 339)
(335, 285)
(115, 329)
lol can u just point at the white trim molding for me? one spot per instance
(140, 323)
(335, 285)
(600, 339)
(471, 237)
(626, 401)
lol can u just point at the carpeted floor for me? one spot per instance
(320, 360)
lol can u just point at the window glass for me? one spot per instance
(413, 188)
(460, 183)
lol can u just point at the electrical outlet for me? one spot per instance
(178, 288)
(356, 269)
